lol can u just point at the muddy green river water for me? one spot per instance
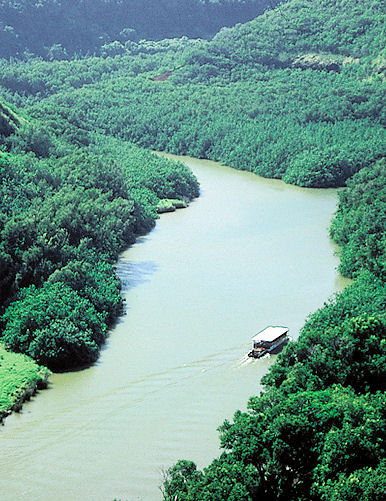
(248, 253)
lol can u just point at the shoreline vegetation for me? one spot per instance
(67, 210)
(64, 219)
(20, 379)
(297, 94)
(316, 431)
(170, 205)
(20, 376)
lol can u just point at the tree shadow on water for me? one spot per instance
(133, 274)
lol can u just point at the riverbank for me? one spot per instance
(170, 205)
(20, 379)
(327, 387)
(196, 289)
(20, 376)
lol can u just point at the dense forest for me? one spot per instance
(67, 210)
(297, 94)
(69, 203)
(271, 96)
(59, 29)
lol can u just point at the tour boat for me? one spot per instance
(271, 339)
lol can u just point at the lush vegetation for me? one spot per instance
(67, 209)
(318, 429)
(58, 29)
(296, 94)
(19, 378)
(288, 95)
(360, 222)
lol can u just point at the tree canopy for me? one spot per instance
(298, 94)
(59, 29)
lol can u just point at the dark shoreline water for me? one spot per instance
(249, 252)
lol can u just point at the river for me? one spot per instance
(247, 253)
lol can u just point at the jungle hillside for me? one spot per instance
(297, 93)
(62, 29)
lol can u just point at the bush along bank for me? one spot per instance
(20, 378)
(316, 432)
(66, 212)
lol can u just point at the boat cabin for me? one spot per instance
(268, 340)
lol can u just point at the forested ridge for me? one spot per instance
(296, 94)
(58, 29)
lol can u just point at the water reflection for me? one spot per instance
(133, 274)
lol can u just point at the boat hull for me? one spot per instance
(274, 349)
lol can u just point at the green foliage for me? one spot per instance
(31, 137)
(225, 478)
(170, 205)
(54, 325)
(66, 211)
(95, 282)
(352, 354)
(367, 484)
(305, 123)
(9, 121)
(285, 447)
(296, 94)
(19, 378)
(278, 105)
(56, 51)
(178, 479)
(85, 25)
(360, 222)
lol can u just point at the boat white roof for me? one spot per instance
(270, 333)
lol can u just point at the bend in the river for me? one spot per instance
(249, 252)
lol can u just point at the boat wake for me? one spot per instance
(245, 360)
